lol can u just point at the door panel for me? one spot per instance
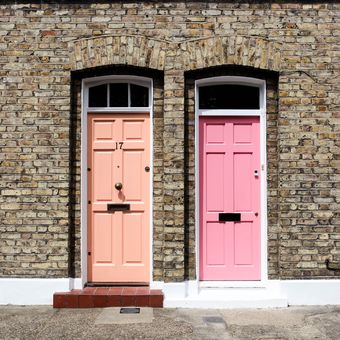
(229, 155)
(133, 180)
(243, 169)
(118, 241)
(133, 238)
(102, 235)
(102, 174)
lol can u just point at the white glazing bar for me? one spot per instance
(129, 95)
(108, 95)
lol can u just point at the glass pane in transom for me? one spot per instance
(119, 95)
(98, 96)
(229, 97)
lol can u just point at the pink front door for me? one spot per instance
(118, 218)
(229, 184)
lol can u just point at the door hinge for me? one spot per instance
(89, 253)
(88, 169)
(89, 202)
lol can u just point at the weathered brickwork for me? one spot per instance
(46, 49)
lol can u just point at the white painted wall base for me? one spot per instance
(311, 292)
(273, 293)
(34, 291)
(193, 294)
(190, 294)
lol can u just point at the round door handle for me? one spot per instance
(119, 186)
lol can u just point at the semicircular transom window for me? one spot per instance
(229, 97)
(118, 95)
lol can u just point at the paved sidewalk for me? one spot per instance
(43, 322)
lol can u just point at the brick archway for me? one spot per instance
(222, 50)
(134, 50)
(142, 51)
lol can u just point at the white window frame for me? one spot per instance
(261, 113)
(141, 81)
(85, 109)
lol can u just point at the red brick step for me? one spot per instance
(95, 297)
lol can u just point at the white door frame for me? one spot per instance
(261, 113)
(86, 84)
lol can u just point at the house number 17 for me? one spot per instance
(119, 145)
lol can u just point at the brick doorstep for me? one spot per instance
(92, 297)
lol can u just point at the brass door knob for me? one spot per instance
(119, 186)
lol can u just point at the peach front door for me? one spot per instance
(230, 198)
(119, 197)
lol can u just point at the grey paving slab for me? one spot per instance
(112, 316)
(39, 322)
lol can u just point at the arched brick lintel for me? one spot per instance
(134, 50)
(247, 51)
(138, 50)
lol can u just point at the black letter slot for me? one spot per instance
(229, 217)
(118, 207)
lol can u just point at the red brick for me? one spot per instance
(156, 300)
(58, 300)
(114, 300)
(143, 291)
(129, 291)
(89, 290)
(102, 291)
(99, 301)
(142, 301)
(128, 300)
(115, 291)
(86, 301)
(70, 300)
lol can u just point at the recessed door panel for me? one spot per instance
(103, 130)
(133, 238)
(243, 181)
(215, 244)
(102, 175)
(118, 198)
(133, 181)
(229, 198)
(102, 235)
(214, 182)
(243, 243)
(133, 129)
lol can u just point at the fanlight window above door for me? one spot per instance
(118, 95)
(229, 97)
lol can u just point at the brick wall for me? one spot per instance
(44, 48)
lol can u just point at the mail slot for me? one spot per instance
(118, 206)
(229, 217)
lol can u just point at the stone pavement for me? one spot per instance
(43, 322)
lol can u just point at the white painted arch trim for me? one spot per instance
(86, 84)
(261, 113)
